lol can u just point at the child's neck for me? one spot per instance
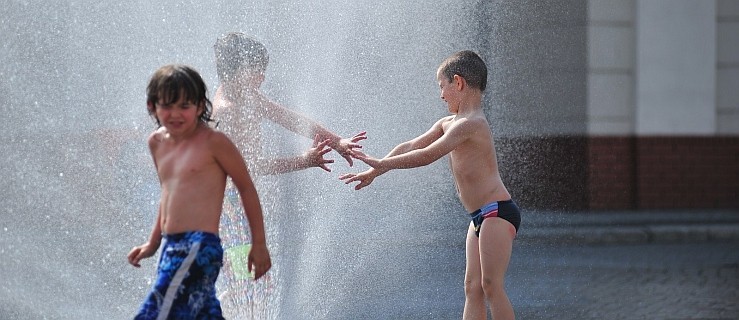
(470, 105)
(185, 135)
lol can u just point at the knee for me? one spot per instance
(473, 288)
(491, 287)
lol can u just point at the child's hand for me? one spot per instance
(364, 178)
(141, 252)
(314, 155)
(259, 260)
(372, 162)
(346, 145)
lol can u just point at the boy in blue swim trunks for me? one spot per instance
(466, 137)
(192, 162)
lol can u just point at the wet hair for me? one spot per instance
(468, 65)
(236, 50)
(171, 81)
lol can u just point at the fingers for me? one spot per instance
(348, 178)
(134, 257)
(320, 144)
(259, 270)
(323, 151)
(359, 137)
(358, 154)
(348, 157)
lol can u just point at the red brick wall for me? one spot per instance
(688, 172)
(611, 173)
(663, 172)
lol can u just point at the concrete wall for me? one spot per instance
(663, 104)
(611, 64)
(675, 67)
(727, 79)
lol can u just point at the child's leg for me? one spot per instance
(496, 243)
(474, 302)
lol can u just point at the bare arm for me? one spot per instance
(309, 128)
(229, 158)
(435, 133)
(313, 157)
(155, 238)
(453, 137)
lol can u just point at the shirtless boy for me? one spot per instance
(192, 162)
(466, 137)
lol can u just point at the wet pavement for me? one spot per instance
(642, 281)
(648, 266)
(581, 267)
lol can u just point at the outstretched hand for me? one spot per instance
(364, 178)
(346, 146)
(314, 155)
(371, 161)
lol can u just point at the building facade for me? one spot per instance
(617, 104)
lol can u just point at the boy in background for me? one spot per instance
(240, 107)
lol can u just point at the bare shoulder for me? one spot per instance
(443, 122)
(156, 137)
(216, 138)
(468, 124)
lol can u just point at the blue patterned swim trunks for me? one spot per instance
(186, 277)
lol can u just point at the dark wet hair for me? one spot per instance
(236, 50)
(468, 65)
(170, 81)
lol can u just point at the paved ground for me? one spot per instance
(647, 265)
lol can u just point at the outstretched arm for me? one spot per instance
(309, 128)
(454, 135)
(313, 157)
(423, 141)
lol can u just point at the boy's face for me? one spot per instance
(179, 117)
(449, 92)
(249, 78)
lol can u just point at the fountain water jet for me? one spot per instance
(80, 189)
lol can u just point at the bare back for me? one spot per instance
(192, 181)
(475, 166)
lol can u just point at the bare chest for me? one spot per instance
(183, 163)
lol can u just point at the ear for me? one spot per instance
(201, 108)
(459, 82)
(260, 79)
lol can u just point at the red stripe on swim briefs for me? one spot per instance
(493, 213)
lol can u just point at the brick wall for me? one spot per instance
(611, 173)
(617, 173)
(663, 172)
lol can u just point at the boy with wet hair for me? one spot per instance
(192, 162)
(240, 107)
(466, 137)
